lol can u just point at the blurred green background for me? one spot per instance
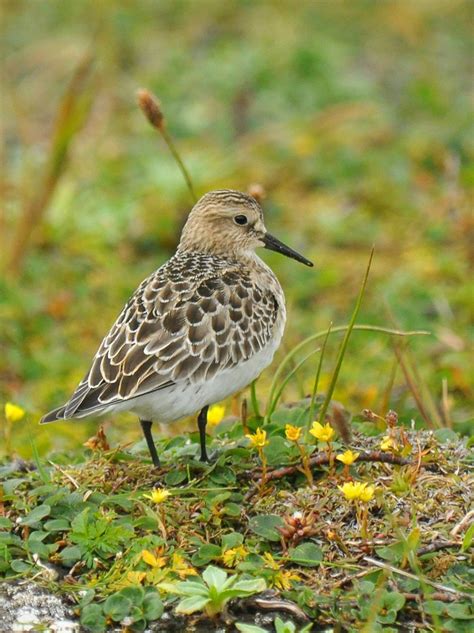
(355, 117)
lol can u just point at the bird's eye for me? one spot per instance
(240, 219)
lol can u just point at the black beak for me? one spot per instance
(275, 245)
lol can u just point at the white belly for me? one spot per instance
(174, 403)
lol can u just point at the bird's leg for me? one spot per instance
(202, 421)
(146, 426)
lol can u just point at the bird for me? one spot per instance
(197, 330)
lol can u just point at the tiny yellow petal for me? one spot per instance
(149, 558)
(283, 579)
(350, 490)
(293, 433)
(366, 493)
(13, 412)
(135, 577)
(215, 414)
(348, 457)
(270, 561)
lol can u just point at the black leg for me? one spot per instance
(146, 426)
(202, 421)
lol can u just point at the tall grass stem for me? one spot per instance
(345, 341)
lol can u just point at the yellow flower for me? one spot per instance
(181, 567)
(158, 495)
(270, 561)
(322, 433)
(13, 412)
(292, 433)
(283, 579)
(388, 443)
(152, 560)
(215, 414)
(348, 457)
(234, 555)
(258, 439)
(357, 490)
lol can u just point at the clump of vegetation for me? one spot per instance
(386, 543)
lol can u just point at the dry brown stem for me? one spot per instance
(71, 116)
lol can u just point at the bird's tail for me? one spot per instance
(54, 415)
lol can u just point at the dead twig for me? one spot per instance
(436, 547)
(321, 459)
(463, 523)
(412, 386)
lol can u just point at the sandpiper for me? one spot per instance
(197, 330)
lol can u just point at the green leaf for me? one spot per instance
(70, 554)
(265, 525)
(306, 554)
(5, 523)
(460, 611)
(393, 553)
(365, 587)
(445, 436)
(214, 577)
(36, 515)
(80, 521)
(434, 607)
(468, 537)
(284, 627)
(394, 600)
(21, 566)
(205, 554)
(232, 509)
(152, 606)
(134, 594)
(175, 477)
(232, 540)
(56, 525)
(277, 451)
(93, 619)
(249, 628)
(146, 523)
(192, 604)
(243, 588)
(187, 588)
(117, 607)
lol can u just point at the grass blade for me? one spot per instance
(336, 330)
(37, 460)
(342, 349)
(316, 378)
(286, 380)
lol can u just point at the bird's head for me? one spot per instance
(230, 223)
